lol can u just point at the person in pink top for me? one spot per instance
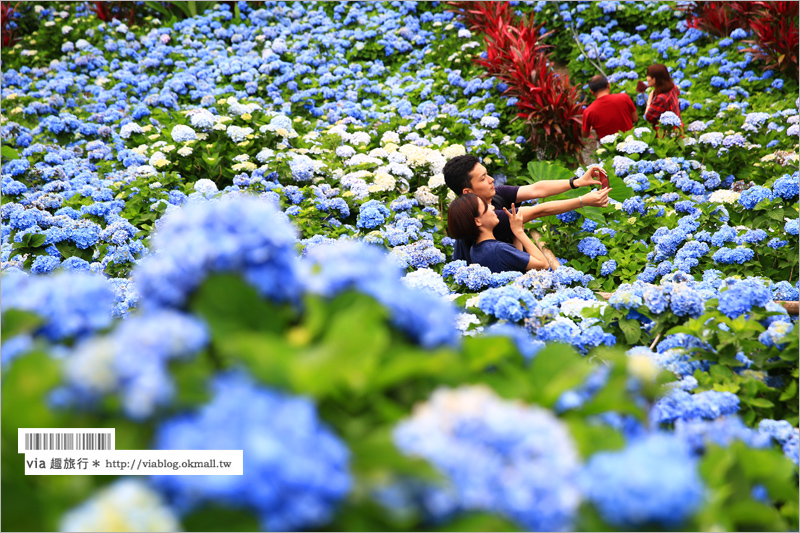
(609, 113)
(663, 97)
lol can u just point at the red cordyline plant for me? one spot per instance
(774, 26)
(775, 29)
(9, 32)
(515, 56)
(717, 18)
(107, 11)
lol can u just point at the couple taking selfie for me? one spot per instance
(488, 226)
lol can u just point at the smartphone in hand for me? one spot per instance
(641, 87)
(601, 175)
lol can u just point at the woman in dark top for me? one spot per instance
(471, 218)
(664, 96)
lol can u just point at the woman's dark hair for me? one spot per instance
(462, 214)
(456, 172)
(662, 78)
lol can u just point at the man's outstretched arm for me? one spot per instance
(596, 198)
(543, 189)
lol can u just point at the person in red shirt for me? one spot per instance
(609, 113)
(663, 97)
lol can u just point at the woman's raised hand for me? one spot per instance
(515, 219)
(597, 198)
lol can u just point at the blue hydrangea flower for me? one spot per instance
(296, 470)
(783, 290)
(498, 456)
(786, 435)
(728, 256)
(625, 297)
(561, 330)
(654, 479)
(527, 345)
(791, 227)
(73, 304)
(133, 360)
(742, 296)
(787, 187)
(681, 404)
(235, 235)
(44, 264)
(592, 247)
(332, 268)
(738, 33)
(668, 118)
(685, 301)
(608, 267)
(569, 216)
(753, 196)
(372, 214)
(428, 280)
(508, 303)
(722, 431)
(776, 333)
(475, 277)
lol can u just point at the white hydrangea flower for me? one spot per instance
(574, 306)
(378, 152)
(156, 157)
(130, 128)
(359, 137)
(183, 133)
(415, 155)
(427, 280)
(465, 320)
(206, 186)
(609, 139)
(126, 505)
(453, 150)
(724, 197)
(390, 137)
(145, 170)
(425, 197)
(91, 366)
(265, 155)
(383, 181)
(436, 181)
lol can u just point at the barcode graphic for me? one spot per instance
(68, 441)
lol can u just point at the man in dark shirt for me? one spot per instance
(609, 113)
(465, 174)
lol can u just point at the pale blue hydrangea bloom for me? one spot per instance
(654, 479)
(296, 470)
(498, 456)
(182, 133)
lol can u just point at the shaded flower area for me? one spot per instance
(226, 229)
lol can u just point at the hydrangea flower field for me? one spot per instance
(225, 228)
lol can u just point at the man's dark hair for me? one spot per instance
(456, 172)
(598, 83)
(462, 214)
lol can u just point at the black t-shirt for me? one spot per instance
(504, 196)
